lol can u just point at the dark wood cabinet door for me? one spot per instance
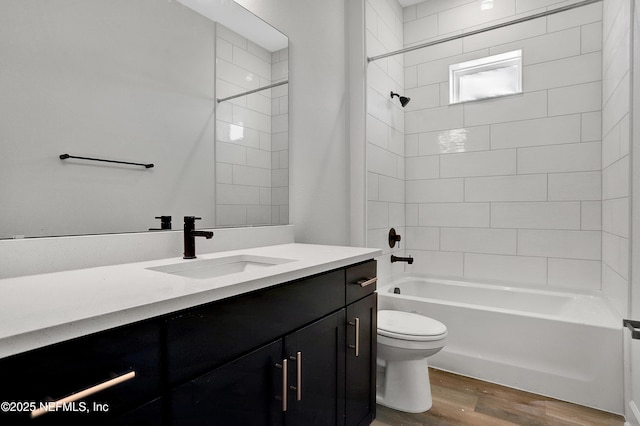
(316, 373)
(123, 363)
(243, 392)
(149, 414)
(361, 364)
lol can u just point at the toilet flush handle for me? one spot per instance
(356, 324)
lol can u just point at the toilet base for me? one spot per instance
(404, 385)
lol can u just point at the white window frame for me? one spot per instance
(503, 60)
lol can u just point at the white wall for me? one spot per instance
(357, 81)
(319, 159)
(632, 347)
(319, 150)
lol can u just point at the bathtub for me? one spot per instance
(564, 345)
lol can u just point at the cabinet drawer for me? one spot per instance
(58, 371)
(207, 336)
(358, 275)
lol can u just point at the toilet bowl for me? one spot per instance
(405, 340)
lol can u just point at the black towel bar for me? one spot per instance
(65, 156)
(634, 327)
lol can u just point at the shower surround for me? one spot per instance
(508, 189)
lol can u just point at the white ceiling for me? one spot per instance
(240, 20)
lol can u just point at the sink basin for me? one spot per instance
(211, 268)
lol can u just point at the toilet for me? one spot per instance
(405, 340)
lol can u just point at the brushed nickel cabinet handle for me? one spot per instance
(285, 380)
(366, 282)
(85, 393)
(356, 324)
(298, 386)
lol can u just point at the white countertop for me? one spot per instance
(39, 310)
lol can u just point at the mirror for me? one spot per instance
(135, 81)
(252, 150)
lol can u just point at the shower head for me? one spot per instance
(403, 99)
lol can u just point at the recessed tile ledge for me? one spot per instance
(38, 310)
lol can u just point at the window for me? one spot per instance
(483, 78)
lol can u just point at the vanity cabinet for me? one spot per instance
(316, 341)
(361, 333)
(296, 380)
(299, 353)
(361, 361)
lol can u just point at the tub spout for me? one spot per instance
(394, 259)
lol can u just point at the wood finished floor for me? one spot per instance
(459, 400)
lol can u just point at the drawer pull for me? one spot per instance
(83, 394)
(356, 324)
(285, 379)
(298, 386)
(366, 282)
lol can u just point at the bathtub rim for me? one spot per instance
(615, 322)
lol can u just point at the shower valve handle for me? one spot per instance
(394, 238)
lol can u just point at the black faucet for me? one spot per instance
(189, 236)
(409, 259)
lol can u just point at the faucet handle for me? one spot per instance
(394, 238)
(165, 222)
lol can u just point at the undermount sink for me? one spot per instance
(211, 268)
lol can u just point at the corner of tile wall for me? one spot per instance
(385, 141)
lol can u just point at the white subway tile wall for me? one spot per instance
(252, 168)
(385, 129)
(616, 35)
(508, 189)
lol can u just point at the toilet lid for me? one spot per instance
(406, 324)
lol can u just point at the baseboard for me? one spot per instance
(634, 413)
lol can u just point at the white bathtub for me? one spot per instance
(560, 344)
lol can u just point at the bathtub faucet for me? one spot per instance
(394, 259)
